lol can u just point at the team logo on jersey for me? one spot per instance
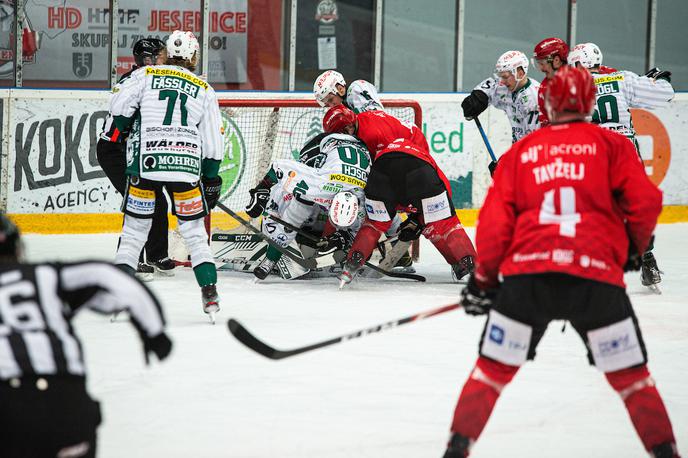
(234, 157)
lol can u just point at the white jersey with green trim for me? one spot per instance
(620, 91)
(362, 96)
(520, 106)
(302, 192)
(344, 167)
(176, 126)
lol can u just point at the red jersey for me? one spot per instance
(383, 133)
(565, 199)
(606, 70)
(543, 118)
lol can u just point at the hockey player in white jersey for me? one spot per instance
(176, 145)
(330, 90)
(617, 93)
(510, 90)
(335, 169)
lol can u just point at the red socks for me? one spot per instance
(644, 405)
(479, 396)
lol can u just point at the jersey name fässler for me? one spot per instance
(177, 126)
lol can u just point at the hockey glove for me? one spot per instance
(161, 345)
(410, 229)
(658, 74)
(259, 200)
(211, 190)
(474, 104)
(635, 260)
(492, 166)
(474, 300)
(338, 240)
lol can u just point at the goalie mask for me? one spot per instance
(344, 209)
(587, 54)
(326, 84)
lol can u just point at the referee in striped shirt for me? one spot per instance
(45, 410)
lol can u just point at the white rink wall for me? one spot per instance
(49, 166)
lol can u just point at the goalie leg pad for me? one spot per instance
(479, 396)
(134, 235)
(644, 404)
(450, 239)
(196, 240)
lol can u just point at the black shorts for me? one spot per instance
(601, 314)
(40, 417)
(402, 179)
(188, 199)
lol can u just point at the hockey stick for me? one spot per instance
(245, 337)
(313, 238)
(305, 263)
(487, 142)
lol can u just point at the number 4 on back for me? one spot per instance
(567, 218)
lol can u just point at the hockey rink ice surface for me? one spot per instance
(390, 394)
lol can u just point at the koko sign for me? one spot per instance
(54, 168)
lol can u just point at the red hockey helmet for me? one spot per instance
(550, 47)
(337, 118)
(572, 90)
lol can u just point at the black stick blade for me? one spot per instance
(248, 339)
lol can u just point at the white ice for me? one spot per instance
(386, 395)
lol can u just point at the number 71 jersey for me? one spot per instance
(176, 123)
(565, 199)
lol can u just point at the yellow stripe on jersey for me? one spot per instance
(608, 79)
(170, 72)
(341, 178)
(187, 195)
(141, 193)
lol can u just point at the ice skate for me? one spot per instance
(650, 275)
(462, 268)
(164, 266)
(457, 447)
(144, 272)
(345, 278)
(263, 270)
(351, 268)
(211, 301)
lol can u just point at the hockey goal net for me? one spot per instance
(257, 132)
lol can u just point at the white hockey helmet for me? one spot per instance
(510, 61)
(182, 44)
(344, 209)
(588, 54)
(326, 84)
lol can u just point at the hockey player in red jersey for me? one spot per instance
(549, 56)
(403, 177)
(569, 210)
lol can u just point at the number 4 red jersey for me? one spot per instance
(565, 199)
